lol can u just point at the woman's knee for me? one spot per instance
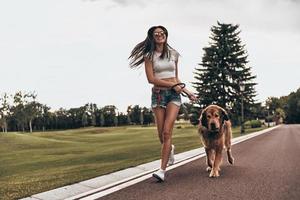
(167, 135)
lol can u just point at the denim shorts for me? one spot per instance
(161, 97)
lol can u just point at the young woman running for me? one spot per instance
(162, 72)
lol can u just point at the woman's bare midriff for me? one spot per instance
(172, 80)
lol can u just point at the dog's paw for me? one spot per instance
(231, 160)
(208, 169)
(214, 174)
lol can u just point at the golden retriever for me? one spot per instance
(215, 132)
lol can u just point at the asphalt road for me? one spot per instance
(266, 167)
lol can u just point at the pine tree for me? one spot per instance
(222, 70)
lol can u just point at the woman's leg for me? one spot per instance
(170, 117)
(159, 114)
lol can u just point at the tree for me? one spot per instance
(275, 108)
(74, 117)
(279, 116)
(116, 122)
(109, 113)
(185, 111)
(102, 120)
(257, 111)
(122, 119)
(84, 120)
(63, 119)
(91, 111)
(195, 114)
(18, 110)
(32, 108)
(135, 114)
(129, 109)
(224, 68)
(148, 117)
(44, 118)
(292, 108)
(142, 117)
(4, 111)
(273, 103)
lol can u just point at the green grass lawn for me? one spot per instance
(37, 162)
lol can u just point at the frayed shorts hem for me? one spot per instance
(177, 103)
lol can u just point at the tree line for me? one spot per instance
(25, 113)
(22, 112)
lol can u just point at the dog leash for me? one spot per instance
(182, 85)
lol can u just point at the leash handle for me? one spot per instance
(182, 85)
(185, 94)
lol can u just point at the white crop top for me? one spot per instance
(166, 67)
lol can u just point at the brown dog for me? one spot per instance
(215, 132)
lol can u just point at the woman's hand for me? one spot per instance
(178, 89)
(192, 97)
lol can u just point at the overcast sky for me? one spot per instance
(72, 52)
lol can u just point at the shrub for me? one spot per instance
(247, 124)
(255, 124)
(252, 124)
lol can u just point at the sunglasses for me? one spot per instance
(157, 34)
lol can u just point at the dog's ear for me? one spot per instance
(224, 115)
(203, 119)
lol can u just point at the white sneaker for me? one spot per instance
(159, 175)
(171, 157)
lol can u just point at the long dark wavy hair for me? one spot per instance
(146, 48)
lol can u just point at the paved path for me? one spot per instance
(266, 167)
